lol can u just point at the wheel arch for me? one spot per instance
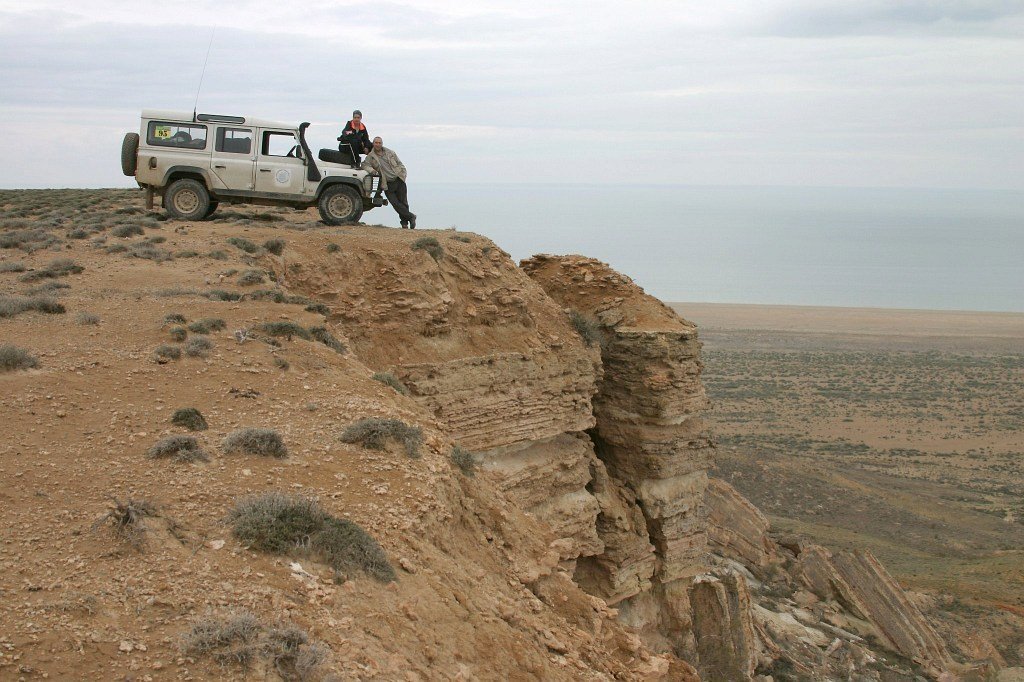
(179, 172)
(331, 182)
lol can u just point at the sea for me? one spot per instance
(939, 249)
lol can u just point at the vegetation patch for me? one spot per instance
(189, 418)
(15, 305)
(274, 246)
(128, 520)
(332, 247)
(586, 326)
(374, 432)
(391, 380)
(463, 459)
(239, 638)
(166, 352)
(243, 244)
(178, 448)
(126, 231)
(13, 358)
(198, 347)
(12, 266)
(325, 337)
(174, 318)
(430, 245)
(320, 308)
(221, 295)
(277, 523)
(253, 441)
(177, 333)
(218, 254)
(149, 251)
(207, 325)
(284, 328)
(87, 319)
(250, 277)
(62, 267)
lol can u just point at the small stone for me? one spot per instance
(125, 646)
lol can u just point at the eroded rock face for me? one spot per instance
(723, 628)
(736, 528)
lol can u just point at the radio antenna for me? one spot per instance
(195, 106)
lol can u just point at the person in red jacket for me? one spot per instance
(355, 137)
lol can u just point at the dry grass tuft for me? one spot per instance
(374, 432)
(253, 441)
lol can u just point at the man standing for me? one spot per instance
(386, 163)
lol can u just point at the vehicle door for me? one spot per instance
(234, 156)
(279, 165)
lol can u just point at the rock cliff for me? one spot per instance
(589, 544)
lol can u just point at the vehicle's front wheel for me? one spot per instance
(187, 200)
(213, 207)
(340, 204)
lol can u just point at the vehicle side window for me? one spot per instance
(279, 144)
(183, 135)
(234, 140)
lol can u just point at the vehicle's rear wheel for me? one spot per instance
(187, 199)
(213, 207)
(340, 204)
(130, 154)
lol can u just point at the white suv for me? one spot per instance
(195, 162)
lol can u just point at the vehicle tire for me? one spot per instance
(187, 199)
(340, 204)
(130, 154)
(213, 207)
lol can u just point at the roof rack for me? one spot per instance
(218, 118)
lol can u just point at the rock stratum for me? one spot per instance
(590, 543)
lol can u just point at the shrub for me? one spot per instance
(13, 358)
(464, 460)
(244, 244)
(374, 432)
(11, 266)
(86, 318)
(250, 277)
(127, 519)
(332, 247)
(179, 448)
(274, 246)
(159, 239)
(284, 328)
(198, 347)
(240, 638)
(147, 251)
(318, 308)
(15, 305)
(187, 253)
(325, 337)
(189, 418)
(221, 295)
(126, 230)
(281, 363)
(278, 523)
(165, 352)
(392, 381)
(117, 248)
(177, 333)
(462, 238)
(430, 245)
(252, 441)
(586, 326)
(174, 318)
(218, 255)
(78, 233)
(207, 325)
(62, 267)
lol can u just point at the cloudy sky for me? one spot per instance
(908, 93)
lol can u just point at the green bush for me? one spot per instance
(374, 432)
(464, 461)
(13, 358)
(284, 328)
(189, 418)
(274, 246)
(325, 337)
(253, 441)
(320, 308)
(244, 244)
(332, 247)
(392, 381)
(278, 523)
(207, 325)
(179, 448)
(430, 245)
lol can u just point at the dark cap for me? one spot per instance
(357, 113)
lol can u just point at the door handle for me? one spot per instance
(217, 166)
(265, 170)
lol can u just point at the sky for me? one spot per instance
(862, 93)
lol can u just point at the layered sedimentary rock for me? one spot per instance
(736, 528)
(650, 437)
(723, 628)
